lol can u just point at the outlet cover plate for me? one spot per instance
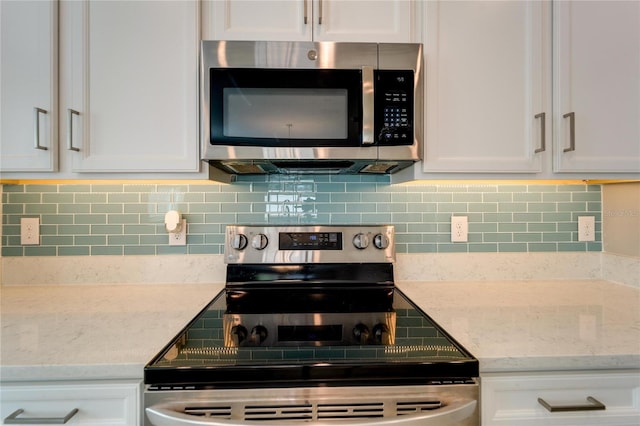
(586, 228)
(459, 229)
(179, 238)
(30, 231)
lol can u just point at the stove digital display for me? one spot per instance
(310, 241)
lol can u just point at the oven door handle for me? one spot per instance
(455, 413)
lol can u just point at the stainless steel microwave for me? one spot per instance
(310, 107)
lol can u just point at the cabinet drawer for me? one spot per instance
(106, 403)
(510, 399)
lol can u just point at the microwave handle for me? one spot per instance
(367, 106)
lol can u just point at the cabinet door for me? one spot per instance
(129, 85)
(487, 74)
(104, 403)
(280, 20)
(28, 85)
(514, 399)
(363, 21)
(305, 20)
(597, 80)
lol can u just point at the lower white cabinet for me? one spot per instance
(518, 399)
(103, 403)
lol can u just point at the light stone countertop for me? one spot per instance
(537, 325)
(75, 332)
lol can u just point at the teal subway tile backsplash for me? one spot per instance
(128, 218)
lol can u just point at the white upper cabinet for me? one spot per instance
(597, 86)
(487, 86)
(363, 20)
(28, 86)
(288, 20)
(305, 20)
(129, 85)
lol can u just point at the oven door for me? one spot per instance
(441, 405)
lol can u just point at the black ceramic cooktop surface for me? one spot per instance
(200, 357)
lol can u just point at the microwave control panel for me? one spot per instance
(393, 104)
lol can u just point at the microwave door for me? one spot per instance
(281, 108)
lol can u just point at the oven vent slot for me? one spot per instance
(351, 411)
(215, 412)
(309, 411)
(278, 412)
(416, 407)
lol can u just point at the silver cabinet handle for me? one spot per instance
(306, 11)
(543, 129)
(36, 130)
(367, 106)
(594, 405)
(572, 131)
(71, 113)
(320, 12)
(12, 419)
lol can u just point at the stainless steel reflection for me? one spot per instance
(273, 329)
(313, 55)
(455, 404)
(271, 253)
(269, 54)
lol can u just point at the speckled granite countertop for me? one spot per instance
(111, 331)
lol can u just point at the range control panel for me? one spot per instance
(309, 244)
(310, 240)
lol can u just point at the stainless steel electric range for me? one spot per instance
(310, 329)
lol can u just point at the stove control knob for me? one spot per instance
(381, 334)
(238, 334)
(259, 241)
(361, 333)
(361, 241)
(381, 241)
(259, 334)
(239, 242)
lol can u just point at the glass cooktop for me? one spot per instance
(404, 346)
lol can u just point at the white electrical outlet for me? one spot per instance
(30, 231)
(586, 228)
(179, 238)
(459, 229)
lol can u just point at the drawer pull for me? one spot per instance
(12, 419)
(594, 405)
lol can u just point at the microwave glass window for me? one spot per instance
(285, 107)
(285, 113)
